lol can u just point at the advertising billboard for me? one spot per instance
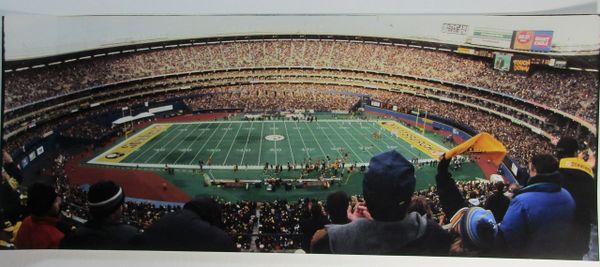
(502, 61)
(492, 37)
(520, 64)
(542, 41)
(532, 40)
(522, 40)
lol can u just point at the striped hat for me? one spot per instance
(476, 225)
(104, 198)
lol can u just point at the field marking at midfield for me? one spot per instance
(366, 136)
(344, 140)
(262, 128)
(327, 136)
(231, 146)
(205, 142)
(404, 146)
(182, 140)
(274, 144)
(289, 142)
(302, 138)
(221, 140)
(191, 143)
(168, 142)
(318, 144)
(126, 140)
(153, 145)
(246, 145)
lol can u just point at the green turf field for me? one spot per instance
(276, 142)
(250, 144)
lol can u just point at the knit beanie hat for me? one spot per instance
(478, 228)
(388, 185)
(104, 198)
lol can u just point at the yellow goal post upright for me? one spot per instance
(424, 119)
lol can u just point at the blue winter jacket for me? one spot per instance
(539, 220)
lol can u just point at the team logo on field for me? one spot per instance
(114, 155)
(274, 137)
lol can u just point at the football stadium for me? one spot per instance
(468, 137)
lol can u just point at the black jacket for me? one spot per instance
(101, 235)
(185, 230)
(450, 197)
(582, 187)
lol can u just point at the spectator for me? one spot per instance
(539, 218)
(421, 205)
(579, 181)
(10, 202)
(104, 230)
(197, 227)
(498, 202)
(309, 226)
(338, 207)
(387, 187)
(474, 229)
(39, 230)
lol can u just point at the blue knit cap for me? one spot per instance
(390, 175)
(478, 227)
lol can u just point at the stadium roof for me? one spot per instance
(33, 36)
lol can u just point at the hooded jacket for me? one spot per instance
(413, 235)
(539, 220)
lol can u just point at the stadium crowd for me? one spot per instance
(553, 88)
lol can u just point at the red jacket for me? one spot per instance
(38, 233)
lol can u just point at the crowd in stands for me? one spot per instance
(273, 97)
(557, 89)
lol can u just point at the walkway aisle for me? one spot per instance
(255, 232)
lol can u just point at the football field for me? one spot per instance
(252, 144)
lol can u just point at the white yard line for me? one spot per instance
(289, 142)
(318, 144)
(221, 140)
(262, 128)
(191, 143)
(302, 138)
(275, 144)
(343, 140)
(367, 138)
(352, 136)
(326, 135)
(205, 142)
(153, 145)
(232, 142)
(175, 148)
(168, 142)
(246, 145)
